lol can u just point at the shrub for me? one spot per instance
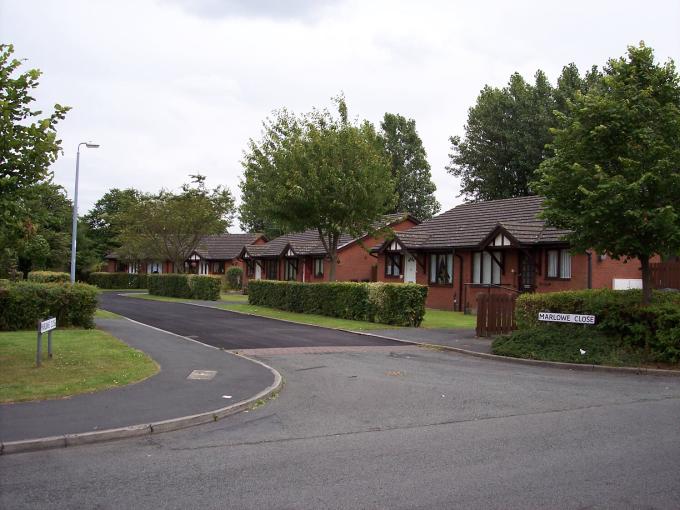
(619, 315)
(564, 342)
(49, 277)
(22, 304)
(397, 304)
(185, 286)
(234, 278)
(205, 287)
(119, 280)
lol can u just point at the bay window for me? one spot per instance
(290, 268)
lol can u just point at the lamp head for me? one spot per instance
(91, 145)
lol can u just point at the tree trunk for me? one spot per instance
(646, 280)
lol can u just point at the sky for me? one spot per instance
(171, 88)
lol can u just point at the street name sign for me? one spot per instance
(48, 325)
(566, 317)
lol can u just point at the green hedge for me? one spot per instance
(386, 303)
(619, 314)
(119, 280)
(234, 278)
(49, 277)
(22, 304)
(185, 286)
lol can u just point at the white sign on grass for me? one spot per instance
(566, 317)
(48, 325)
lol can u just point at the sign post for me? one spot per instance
(46, 326)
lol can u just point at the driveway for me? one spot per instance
(228, 330)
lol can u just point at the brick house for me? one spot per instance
(214, 255)
(302, 257)
(495, 246)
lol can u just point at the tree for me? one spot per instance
(319, 172)
(169, 226)
(28, 144)
(507, 134)
(614, 180)
(410, 169)
(103, 219)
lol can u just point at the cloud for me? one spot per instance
(274, 9)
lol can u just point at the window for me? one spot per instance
(486, 270)
(441, 269)
(154, 268)
(290, 267)
(250, 268)
(271, 269)
(393, 264)
(218, 268)
(559, 264)
(318, 268)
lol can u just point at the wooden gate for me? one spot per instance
(665, 275)
(495, 314)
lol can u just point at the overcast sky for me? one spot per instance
(174, 87)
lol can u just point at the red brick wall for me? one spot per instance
(449, 297)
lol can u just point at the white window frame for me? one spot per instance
(435, 262)
(485, 269)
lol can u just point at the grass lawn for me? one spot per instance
(448, 320)
(85, 360)
(227, 296)
(103, 314)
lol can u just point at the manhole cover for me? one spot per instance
(202, 375)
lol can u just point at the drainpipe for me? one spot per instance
(461, 299)
(590, 269)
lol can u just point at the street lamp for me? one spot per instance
(74, 230)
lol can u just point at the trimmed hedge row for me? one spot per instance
(185, 286)
(118, 280)
(22, 304)
(386, 303)
(619, 314)
(48, 277)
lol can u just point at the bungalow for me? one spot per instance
(495, 246)
(214, 255)
(302, 256)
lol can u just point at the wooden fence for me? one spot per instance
(665, 275)
(495, 314)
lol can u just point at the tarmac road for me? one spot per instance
(404, 428)
(229, 330)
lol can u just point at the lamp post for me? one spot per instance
(74, 230)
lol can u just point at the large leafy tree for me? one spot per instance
(410, 169)
(507, 133)
(103, 220)
(170, 226)
(614, 180)
(28, 145)
(317, 171)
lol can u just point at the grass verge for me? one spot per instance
(571, 344)
(84, 361)
(104, 314)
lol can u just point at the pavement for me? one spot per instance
(166, 395)
(401, 428)
(460, 338)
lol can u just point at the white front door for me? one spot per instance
(258, 271)
(410, 269)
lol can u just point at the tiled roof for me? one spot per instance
(307, 243)
(224, 246)
(466, 225)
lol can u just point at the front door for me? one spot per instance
(258, 271)
(410, 269)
